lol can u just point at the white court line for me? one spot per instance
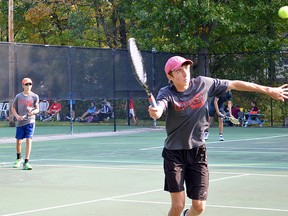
(250, 174)
(97, 200)
(236, 140)
(139, 169)
(253, 148)
(248, 167)
(248, 208)
(118, 198)
(93, 162)
(150, 169)
(49, 137)
(212, 206)
(80, 203)
(105, 168)
(229, 177)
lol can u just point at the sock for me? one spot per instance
(26, 160)
(18, 156)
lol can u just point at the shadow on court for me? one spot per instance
(121, 174)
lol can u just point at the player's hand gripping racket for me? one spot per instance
(139, 70)
(30, 109)
(232, 119)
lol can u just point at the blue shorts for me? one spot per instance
(25, 131)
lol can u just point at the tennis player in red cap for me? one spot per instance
(185, 102)
(25, 107)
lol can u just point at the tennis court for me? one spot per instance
(120, 173)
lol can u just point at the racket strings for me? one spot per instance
(234, 120)
(138, 65)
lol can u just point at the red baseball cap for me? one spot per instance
(175, 63)
(26, 80)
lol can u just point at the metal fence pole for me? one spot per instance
(271, 82)
(153, 78)
(70, 90)
(114, 88)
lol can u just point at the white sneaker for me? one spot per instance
(221, 138)
(206, 135)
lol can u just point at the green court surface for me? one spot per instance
(120, 173)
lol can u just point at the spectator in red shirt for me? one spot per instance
(254, 109)
(132, 113)
(235, 111)
(55, 109)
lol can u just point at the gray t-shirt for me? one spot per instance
(23, 104)
(187, 112)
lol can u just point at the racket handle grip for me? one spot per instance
(152, 100)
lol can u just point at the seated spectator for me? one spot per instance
(43, 107)
(54, 110)
(110, 107)
(235, 111)
(90, 111)
(104, 113)
(254, 109)
(107, 102)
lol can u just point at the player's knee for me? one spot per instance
(198, 208)
(178, 207)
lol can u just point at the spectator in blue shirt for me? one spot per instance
(90, 111)
(105, 113)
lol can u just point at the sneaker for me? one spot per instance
(206, 135)
(27, 166)
(17, 163)
(68, 117)
(184, 213)
(221, 138)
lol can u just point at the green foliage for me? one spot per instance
(167, 25)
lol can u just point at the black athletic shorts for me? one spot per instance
(212, 110)
(189, 167)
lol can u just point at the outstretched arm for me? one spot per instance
(277, 93)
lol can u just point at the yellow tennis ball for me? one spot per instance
(283, 12)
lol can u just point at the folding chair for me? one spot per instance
(4, 110)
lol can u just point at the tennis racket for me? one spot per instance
(30, 109)
(232, 119)
(139, 70)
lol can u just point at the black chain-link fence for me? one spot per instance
(75, 73)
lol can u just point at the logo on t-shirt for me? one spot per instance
(26, 102)
(194, 103)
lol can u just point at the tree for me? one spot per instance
(208, 27)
